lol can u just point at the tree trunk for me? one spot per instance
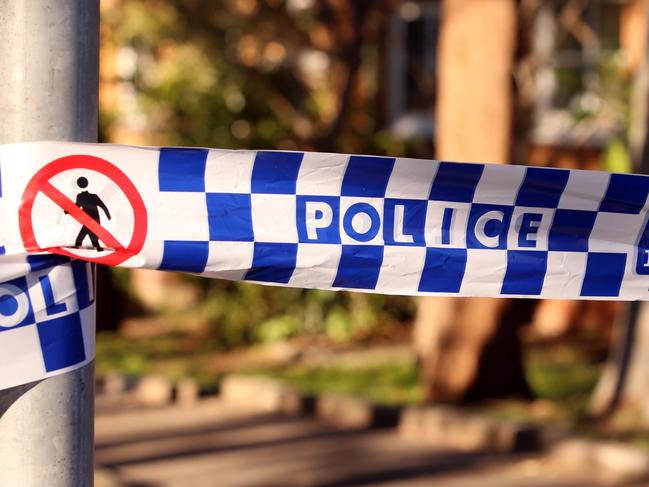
(474, 351)
(469, 347)
(624, 381)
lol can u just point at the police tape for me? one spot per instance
(311, 220)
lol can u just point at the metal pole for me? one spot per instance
(49, 58)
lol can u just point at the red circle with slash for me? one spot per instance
(40, 183)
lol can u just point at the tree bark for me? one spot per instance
(469, 347)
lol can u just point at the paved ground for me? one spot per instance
(219, 444)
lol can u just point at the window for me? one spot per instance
(411, 65)
(579, 88)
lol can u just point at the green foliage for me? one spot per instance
(337, 324)
(171, 355)
(561, 374)
(564, 377)
(242, 313)
(616, 156)
(131, 357)
(251, 74)
(277, 329)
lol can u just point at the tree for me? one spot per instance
(469, 346)
(254, 74)
(243, 73)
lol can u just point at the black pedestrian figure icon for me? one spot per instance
(90, 203)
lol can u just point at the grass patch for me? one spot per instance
(562, 375)
(169, 355)
(391, 384)
(132, 357)
(562, 380)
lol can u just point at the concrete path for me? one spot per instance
(218, 444)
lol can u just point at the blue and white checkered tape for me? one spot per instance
(331, 221)
(46, 318)
(313, 220)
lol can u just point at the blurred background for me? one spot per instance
(560, 83)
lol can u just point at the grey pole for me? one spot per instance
(49, 59)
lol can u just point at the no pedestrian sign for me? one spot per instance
(45, 201)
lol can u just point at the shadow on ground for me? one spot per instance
(217, 444)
